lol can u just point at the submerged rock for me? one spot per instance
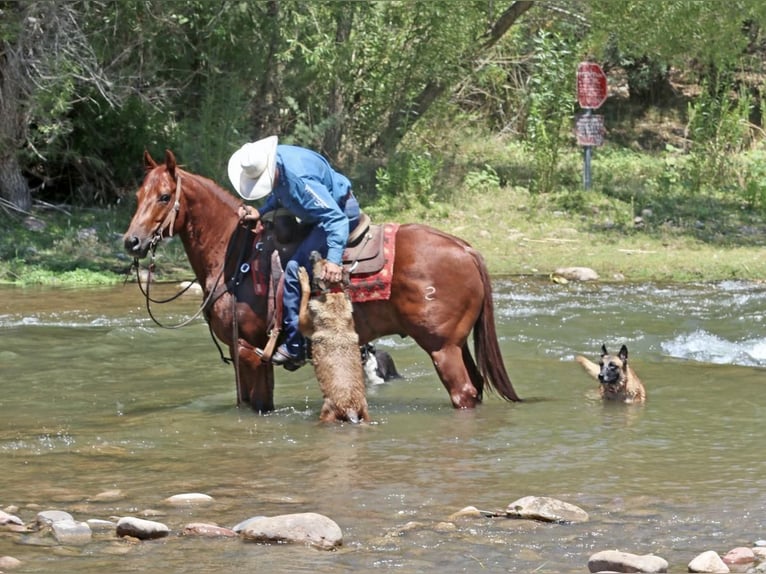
(208, 530)
(546, 509)
(189, 498)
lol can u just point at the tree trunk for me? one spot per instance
(335, 110)
(265, 113)
(13, 186)
(406, 116)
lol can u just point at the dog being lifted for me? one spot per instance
(326, 319)
(619, 381)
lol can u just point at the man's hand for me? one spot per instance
(332, 272)
(248, 214)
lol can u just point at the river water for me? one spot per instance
(97, 398)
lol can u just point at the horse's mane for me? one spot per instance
(209, 186)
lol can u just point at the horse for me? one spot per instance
(440, 288)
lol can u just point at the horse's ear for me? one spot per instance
(149, 162)
(170, 163)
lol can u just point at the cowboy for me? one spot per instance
(302, 182)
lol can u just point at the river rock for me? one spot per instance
(9, 562)
(109, 496)
(576, 273)
(207, 530)
(244, 524)
(616, 561)
(140, 528)
(739, 555)
(100, 525)
(49, 517)
(546, 509)
(708, 562)
(759, 552)
(71, 533)
(11, 522)
(302, 528)
(189, 498)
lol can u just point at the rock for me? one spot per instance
(140, 528)
(109, 496)
(759, 552)
(303, 528)
(244, 524)
(473, 512)
(576, 273)
(208, 530)
(546, 509)
(71, 532)
(189, 498)
(99, 525)
(11, 522)
(49, 517)
(708, 562)
(616, 561)
(9, 562)
(739, 555)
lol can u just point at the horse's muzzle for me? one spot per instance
(135, 247)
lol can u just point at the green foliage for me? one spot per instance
(718, 128)
(408, 180)
(551, 97)
(484, 180)
(752, 172)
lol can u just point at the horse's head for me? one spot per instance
(158, 201)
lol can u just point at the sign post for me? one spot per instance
(591, 94)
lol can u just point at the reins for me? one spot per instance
(167, 225)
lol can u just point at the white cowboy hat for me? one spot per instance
(251, 168)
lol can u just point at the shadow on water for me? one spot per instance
(97, 399)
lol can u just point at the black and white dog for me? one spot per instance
(378, 365)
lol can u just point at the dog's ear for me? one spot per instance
(623, 354)
(604, 352)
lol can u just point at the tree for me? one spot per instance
(44, 56)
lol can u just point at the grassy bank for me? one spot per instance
(639, 222)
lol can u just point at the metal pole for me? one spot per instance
(587, 157)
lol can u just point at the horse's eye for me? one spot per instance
(165, 198)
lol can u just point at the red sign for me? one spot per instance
(591, 85)
(590, 130)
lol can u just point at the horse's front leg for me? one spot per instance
(256, 379)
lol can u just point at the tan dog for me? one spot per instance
(326, 318)
(619, 381)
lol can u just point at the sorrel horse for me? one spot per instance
(440, 289)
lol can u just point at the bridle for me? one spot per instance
(167, 225)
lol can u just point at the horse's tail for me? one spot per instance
(485, 344)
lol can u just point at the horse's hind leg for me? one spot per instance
(476, 378)
(455, 377)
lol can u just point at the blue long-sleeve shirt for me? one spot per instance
(311, 190)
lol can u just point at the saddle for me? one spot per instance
(363, 257)
(364, 252)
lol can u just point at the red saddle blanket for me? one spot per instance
(371, 264)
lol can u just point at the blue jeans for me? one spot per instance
(291, 296)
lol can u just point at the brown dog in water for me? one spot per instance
(619, 381)
(326, 319)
